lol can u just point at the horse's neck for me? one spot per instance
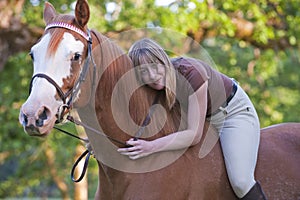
(118, 93)
(113, 85)
(105, 57)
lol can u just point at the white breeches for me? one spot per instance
(239, 130)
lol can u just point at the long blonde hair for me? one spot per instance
(146, 51)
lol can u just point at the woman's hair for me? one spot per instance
(146, 51)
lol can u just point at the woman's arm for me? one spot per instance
(197, 108)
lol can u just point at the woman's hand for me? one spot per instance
(140, 148)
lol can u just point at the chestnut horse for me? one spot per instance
(75, 67)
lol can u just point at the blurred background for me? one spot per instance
(256, 42)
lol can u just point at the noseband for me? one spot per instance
(75, 89)
(63, 96)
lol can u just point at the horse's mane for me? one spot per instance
(113, 64)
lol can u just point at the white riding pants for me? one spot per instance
(239, 130)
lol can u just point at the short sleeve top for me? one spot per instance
(192, 73)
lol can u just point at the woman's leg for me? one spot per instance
(239, 129)
(240, 140)
(239, 136)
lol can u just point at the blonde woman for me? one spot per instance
(211, 96)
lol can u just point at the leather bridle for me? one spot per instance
(72, 92)
(63, 96)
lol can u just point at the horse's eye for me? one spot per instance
(76, 57)
(31, 55)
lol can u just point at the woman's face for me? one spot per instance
(154, 75)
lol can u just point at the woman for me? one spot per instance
(211, 96)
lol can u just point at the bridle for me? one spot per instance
(72, 92)
(63, 96)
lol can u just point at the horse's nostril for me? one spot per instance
(25, 120)
(40, 121)
(43, 115)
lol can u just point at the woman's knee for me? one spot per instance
(241, 186)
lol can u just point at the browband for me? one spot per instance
(68, 26)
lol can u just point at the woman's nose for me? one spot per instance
(152, 74)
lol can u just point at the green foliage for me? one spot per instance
(271, 79)
(22, 158)
(14, 83)
(271, 76)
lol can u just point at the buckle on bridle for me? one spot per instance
(61, 113)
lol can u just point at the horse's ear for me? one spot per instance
(82, 12)
(49, 12)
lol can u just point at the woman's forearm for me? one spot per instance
(175, 141)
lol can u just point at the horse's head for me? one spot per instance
(58, 60)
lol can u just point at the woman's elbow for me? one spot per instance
(196, 140)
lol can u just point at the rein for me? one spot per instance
(89, 150)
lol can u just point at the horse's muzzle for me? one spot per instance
(33, 131)
(35, 126)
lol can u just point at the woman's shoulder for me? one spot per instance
(176, 61)
(188, 66)
(188, 62)
(191, 70)
(182, 64)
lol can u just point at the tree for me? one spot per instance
(15, 36)
(254, 41)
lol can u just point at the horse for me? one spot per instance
(78, 67)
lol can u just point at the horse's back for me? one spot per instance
(279, 161)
